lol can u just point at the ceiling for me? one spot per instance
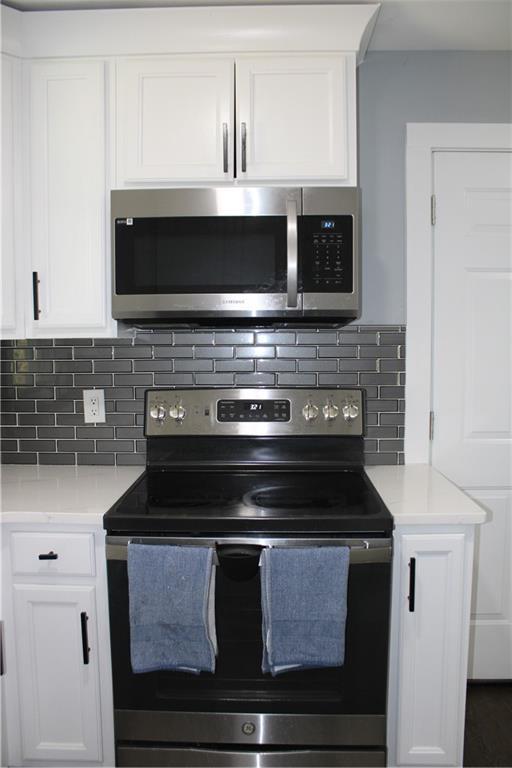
(473, 25)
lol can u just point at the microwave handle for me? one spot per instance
(292, 254)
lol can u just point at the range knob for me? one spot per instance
(157, 413)
(177, 412)
(310, 411)
(330, 411)
(350, 411)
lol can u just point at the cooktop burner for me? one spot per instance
(236, 501)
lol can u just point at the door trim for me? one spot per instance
(423, 139)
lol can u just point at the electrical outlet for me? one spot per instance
(94, 406)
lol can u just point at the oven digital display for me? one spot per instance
(253, 410)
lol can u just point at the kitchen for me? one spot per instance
(73, 344)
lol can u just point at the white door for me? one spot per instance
(296, 118)
(58, 691)
(175, 119)
(68, 198)
(472, 382)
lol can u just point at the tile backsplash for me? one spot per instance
(42, 383)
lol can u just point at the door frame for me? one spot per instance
(423, 139)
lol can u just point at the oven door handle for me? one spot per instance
(292, 266)
(362, 551)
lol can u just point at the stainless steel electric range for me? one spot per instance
(240, 470)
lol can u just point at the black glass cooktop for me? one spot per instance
(250, 500)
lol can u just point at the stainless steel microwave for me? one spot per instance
(268, 254)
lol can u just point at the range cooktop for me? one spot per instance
(239, 501)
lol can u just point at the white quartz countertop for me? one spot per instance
(76, 495)
(415, 494)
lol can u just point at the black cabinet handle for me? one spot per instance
(85, 636)
(51, 555)
(35, 295)
(412, 584)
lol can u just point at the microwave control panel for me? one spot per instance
(327, 254)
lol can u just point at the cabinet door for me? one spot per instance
(11, 322)
(432, 652)
(58, 692)
(67, 165)
(174, 119)
(296, 117)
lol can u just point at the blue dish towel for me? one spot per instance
(172, 612)
(304, 604)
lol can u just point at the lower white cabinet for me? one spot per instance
(429, 646)
(58, 681)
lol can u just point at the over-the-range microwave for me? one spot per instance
(213, 255)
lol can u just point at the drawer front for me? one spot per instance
(53, 554)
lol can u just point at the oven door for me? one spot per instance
(204, 252)
(238, 704)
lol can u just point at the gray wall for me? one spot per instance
(396, 88)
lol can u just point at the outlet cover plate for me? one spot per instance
(94, 406)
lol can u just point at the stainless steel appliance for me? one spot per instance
(239, 470)
(265, 254)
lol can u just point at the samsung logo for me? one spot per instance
(233, 301)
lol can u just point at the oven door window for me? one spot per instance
(201, 255)
(238, 685)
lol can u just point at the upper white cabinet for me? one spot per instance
(295, 119)
(68, 193)
(11, 307)
(174, 119)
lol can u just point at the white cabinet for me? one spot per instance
(174, 119)
(68, 198)
(58, 681)
(429, 647)
(57, 675)
(11, 306)
(295, 119)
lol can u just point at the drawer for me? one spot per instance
(53, 554)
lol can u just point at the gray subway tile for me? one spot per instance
(357, 365)
(95, 459)
(36, 393)
(337, 379)
(37, 445)
(17, 433)
(130, 433)
(15, 406)
(370, 445)
(153, 338)
(361, 338)
(55, 406)
(9, 393)
(8, 419)
(193, 338)
(390, 365)
(234, 338)
(372, 392)
(56, 432)
(117, 446)
(254, 379)
(34, 366)
(75, 446)
(34, 342)
(392, 419)
(73, 366)
(132, 352)
(119, 419)
(54, 353)
(7, 366)
(118, 341)
(112, 366)
(57, 458)
(276, 337)
(296, 379)
(391, 445)
(16, 354)
(130, 459)
(235, 366)
(71, 343)
(92, 353)
(173, 379)
(347, 351)
(214, 379)
(150, 366)
(318, 337)
(8, 445)
(382, 432)
(255, 352)
(54, 380)
(392, 338)
(95, 433)
(377, 459)
(140, 446)
(133, 379)
(16, 380)
(272, 366)
(6, 343)
(371, 419)
(193, 365)
(374, 351)
(378, 378)
(373, 404)
(296, 352)
(18, 458)
(171, 352)
(391, 392)
(214, 352)
(129, 406)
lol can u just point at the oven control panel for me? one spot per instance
(253, 412)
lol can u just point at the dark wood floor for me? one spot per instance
(488, 734)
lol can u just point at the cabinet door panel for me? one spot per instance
(59, 693)
(430, 650)
(11, 321)
(299, 113)
(69, 196)
(171, 118)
